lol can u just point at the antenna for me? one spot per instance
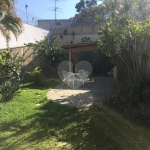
(56, 9)
(26, 6)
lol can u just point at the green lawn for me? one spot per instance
(31, 122)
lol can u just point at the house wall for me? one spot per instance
(29, 35)
(79, 33)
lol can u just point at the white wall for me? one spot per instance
(29, 35)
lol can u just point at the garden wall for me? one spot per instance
(30, 62)
(79, 33)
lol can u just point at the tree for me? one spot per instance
(9, 22)
(80, 6)
(85, 4)
(91, 3)
(9, 67)
(88, 10)
(126, 41)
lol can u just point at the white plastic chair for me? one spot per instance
(64, 77)
(81, 71)
(71, 77)
(64, 72)
(84, 78)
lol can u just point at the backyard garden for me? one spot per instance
(29, 120)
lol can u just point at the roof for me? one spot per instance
(82, 47)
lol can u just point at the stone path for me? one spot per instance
(100, 88)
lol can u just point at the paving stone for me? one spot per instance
(99, 89)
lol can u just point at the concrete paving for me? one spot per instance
(99, 89)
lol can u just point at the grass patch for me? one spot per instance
(31, 122)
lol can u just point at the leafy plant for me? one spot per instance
(9, 22)
(8, 89)
(126, 41)
(65, 32)
(73, 34)
(48, 50)
(36, 75)
(61, 36)
(9, 75)
(85, 39)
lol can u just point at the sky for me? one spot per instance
(43, 9)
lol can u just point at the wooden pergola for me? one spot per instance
(80, 47)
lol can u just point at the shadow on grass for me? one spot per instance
(78, 129)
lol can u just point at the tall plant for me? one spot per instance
(48, 50)
(127, 42)
(9, 75)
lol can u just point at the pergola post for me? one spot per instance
(75, 62)
(80, 47)
(70, 61)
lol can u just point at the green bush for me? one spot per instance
(8, 89)
(9, 75)
(49, 50)
(86, 39)
(36, 75)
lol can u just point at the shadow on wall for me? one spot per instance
(30, 62)
(47, 70)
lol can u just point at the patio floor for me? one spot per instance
(100, 89)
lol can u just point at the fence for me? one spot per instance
(27, 17)
(63, 23)
(72, 22)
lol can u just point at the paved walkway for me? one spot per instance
(100, 88)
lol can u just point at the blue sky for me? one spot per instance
(41, 9)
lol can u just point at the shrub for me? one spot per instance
(9, 75)
(8, 89)
(146, 94)
(36, 75)
(48, 50)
